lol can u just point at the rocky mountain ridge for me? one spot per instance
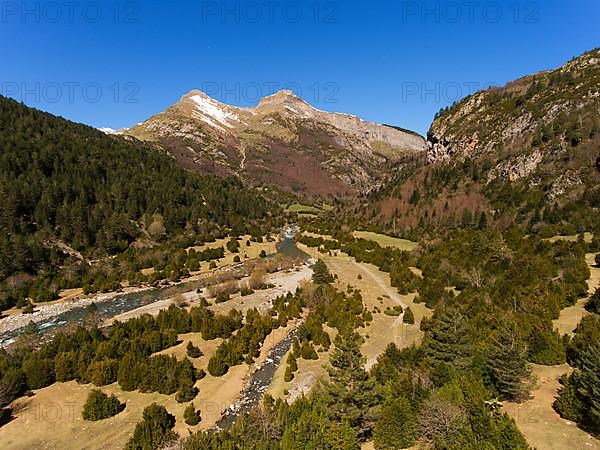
(282, 141)
(542, 129)
(524, 154)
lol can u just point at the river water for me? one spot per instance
(260, 380)
(259, 383)
(126, 302)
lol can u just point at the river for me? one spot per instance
(114, 306)
(259, 382)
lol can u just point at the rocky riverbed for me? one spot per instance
(260, 380)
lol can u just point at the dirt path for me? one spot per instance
(393, 295)
(536, 418)
(542, 426)
(378, 294)
(570, 317)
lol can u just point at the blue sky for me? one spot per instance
(398, 62)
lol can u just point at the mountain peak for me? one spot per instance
(331, 153)
(201, 106)
(280, 97)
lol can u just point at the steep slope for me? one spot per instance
(68, 190)
(283, 141)
(543, 129)
(527, 153)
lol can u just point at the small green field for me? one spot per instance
(587, 237)
(308, 209)
(386, 241)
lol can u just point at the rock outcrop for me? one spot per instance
(282, 141)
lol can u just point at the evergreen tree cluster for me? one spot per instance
(579, 396)
(154, 431)
(244, 346)
(122, 354)
(60, 181)
(498, 278)
(99, 406)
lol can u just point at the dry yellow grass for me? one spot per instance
(587, 237)
(377, 293)
(541, 425)
(537, 420)
(252, 252)
(65, 295)
(386, 241)
(52, 417)
(570, 317)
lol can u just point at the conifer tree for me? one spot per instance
(449, 340)
(186, 392)
(321, 273)
(191, 416)
(593, 304)
(508, 363)
(408, 317)
(193, 351)
(154, 431)
(395, 427)
(350, 392)
(99, 406)
(341, 437)
(589, 386)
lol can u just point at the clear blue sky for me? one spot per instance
(390, 62)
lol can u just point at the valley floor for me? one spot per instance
(378, 295)
(52, 417)
(536, 418)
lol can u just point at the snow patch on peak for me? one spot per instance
(108, 130)
(206, 106)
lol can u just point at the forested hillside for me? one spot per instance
(69, 192)
(526, 153)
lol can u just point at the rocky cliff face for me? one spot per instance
(283, 141)
(542, 130)
(527, 153)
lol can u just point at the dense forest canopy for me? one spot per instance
(68, 183)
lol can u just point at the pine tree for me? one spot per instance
(341, 437)
(193, 351)
(568, 404)
(128, 374)
(593, 304)
(321, 273)
(395, 427)
(508, 363)
(186, 392)
(292, 363)
(308, 351)
(350, 393)
(589, 386)
(191, 416)
(155, 429)
(409, 317)
(449, 340)
(99, 406)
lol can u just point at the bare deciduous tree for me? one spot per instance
(439, 419)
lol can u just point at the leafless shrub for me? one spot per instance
(229, 287)
(257, 280)
(439, 419)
